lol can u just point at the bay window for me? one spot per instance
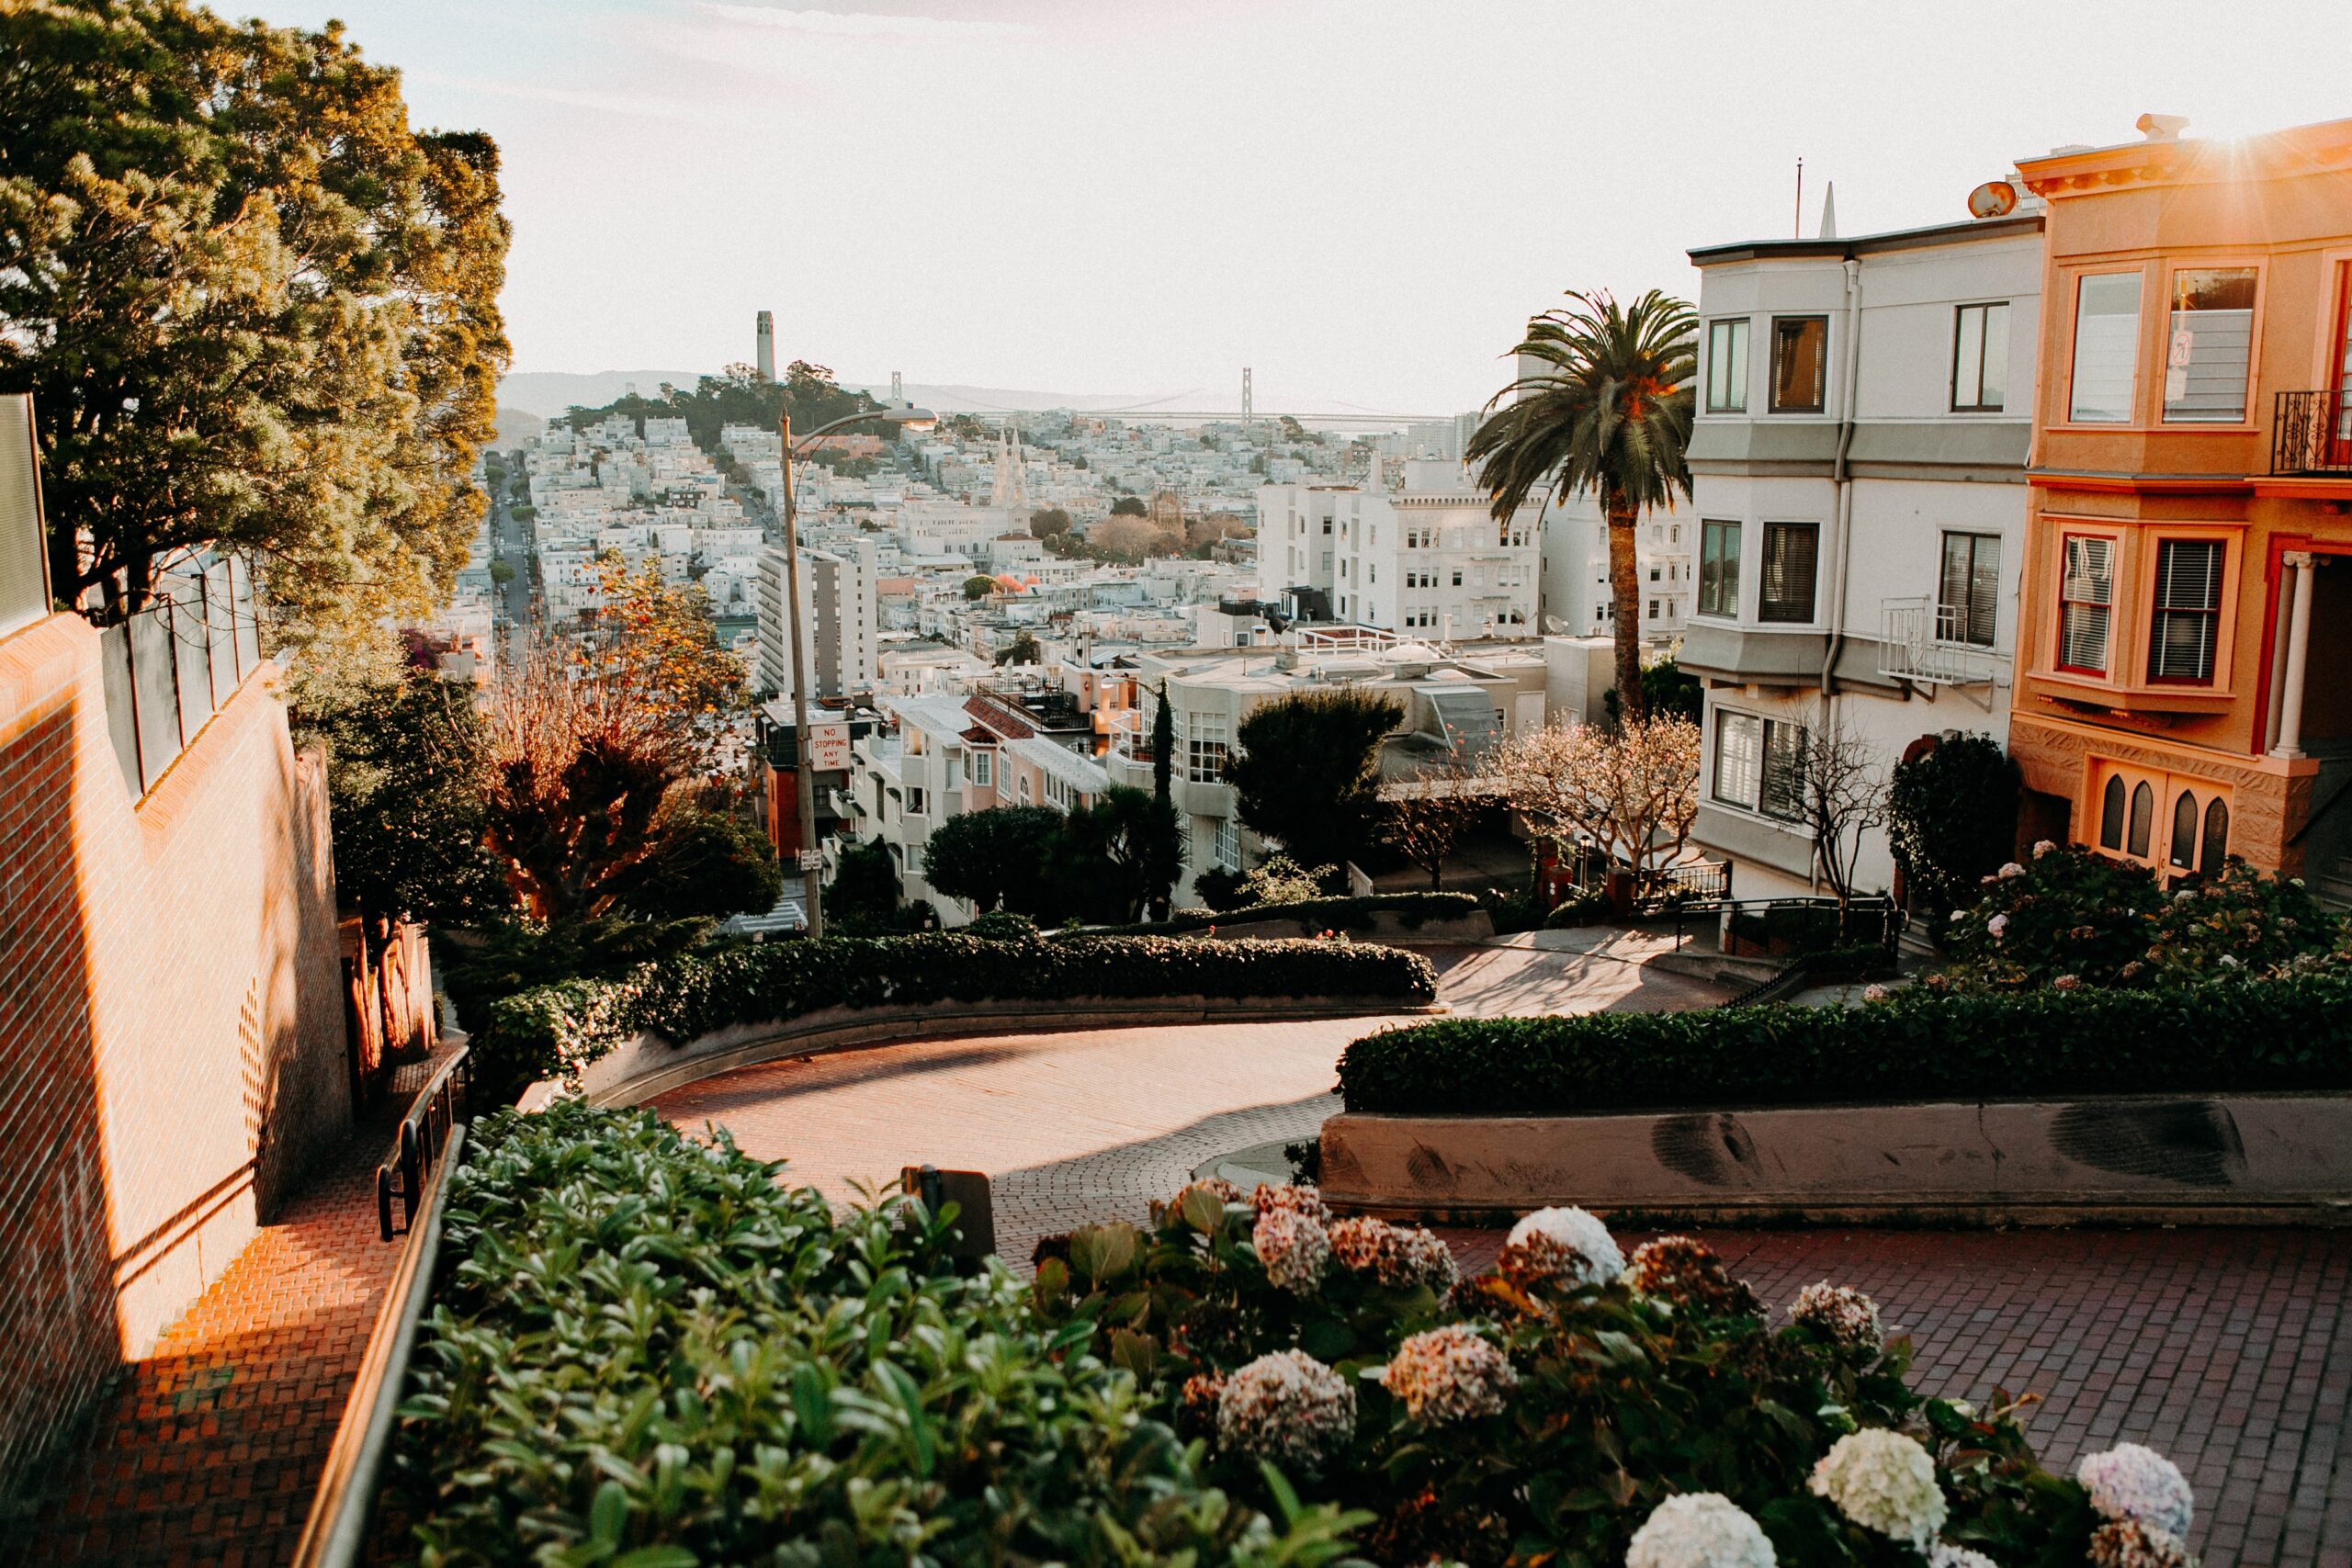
(2188, 623)
(2210, 345)
(2107, 345)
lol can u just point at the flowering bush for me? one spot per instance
(2137, 1485)
(1846, 1316)
(1449, 1374)
(1288, 1407)
(1293, 1248)
(1885, 1482)
(2071, 915)
(1700, 1530)
(1688, 1273)
(2128, 1544)
(1392, 1254)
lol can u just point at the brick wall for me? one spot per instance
(171, 1022)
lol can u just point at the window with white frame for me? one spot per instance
(1204, 742)
(979, 767)
(1759, 763)
(1727, 366)
(1228, 843)
(2210, 345)
(1980, 358)
(2107, 347)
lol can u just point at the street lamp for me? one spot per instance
(812, 861)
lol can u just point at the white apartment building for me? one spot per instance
(840, 620)
(1859, 462)
(1577, 601)
(1426, 560)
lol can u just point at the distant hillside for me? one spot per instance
(549, 392)
(514, 427)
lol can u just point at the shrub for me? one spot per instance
(1282, 880)
(561, 1029)
(2071, 914)
(2293, 1034)
(1951, 818)
(1588, 908)
(1003, 925)
(647, 1350)
(1412, 912)
(1220, 889)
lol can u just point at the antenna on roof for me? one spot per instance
(1796, 220)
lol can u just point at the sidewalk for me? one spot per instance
(210, 1448)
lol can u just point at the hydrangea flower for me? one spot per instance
(2067, 983)
(1995, 926)
(1700, 1530)
(1562, 1243)
(1883, 1482)
(2131, 1483)
(1298, 1199)
(1392, 1254)
(1957, 915)
(2042, 847)
(1449, 1374)
(1875, 993)
(2011, 869)
(1944, 1554)
(1843, 1313)
(1288, 1407)
(1681, 1270)
(1293, 1247)
(2128, 1544)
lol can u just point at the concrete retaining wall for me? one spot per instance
(1386, 927)
(649, 1066)
(2235, 1159)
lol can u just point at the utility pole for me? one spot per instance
(812, 863)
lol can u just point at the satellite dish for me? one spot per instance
(1994, 198)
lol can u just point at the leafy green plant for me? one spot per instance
(646, 1352)
(1952, 818)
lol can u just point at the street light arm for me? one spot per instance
(825, 430)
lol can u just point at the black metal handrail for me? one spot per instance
(343, 1506)
(438, 1107)
(2311, 432)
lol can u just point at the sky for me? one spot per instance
(1362, 200)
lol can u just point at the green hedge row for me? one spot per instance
(646, 1352)
(558, 1029)
(1412, 910)
(2228, 1036)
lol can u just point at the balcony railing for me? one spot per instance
(1925, 643)
(2311, 432)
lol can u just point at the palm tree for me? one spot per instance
(1609, 409)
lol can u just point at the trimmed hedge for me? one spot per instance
(1412, 910)
(561, 1029)
(2229, 1036)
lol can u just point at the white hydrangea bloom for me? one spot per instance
(1700, 1530)
(1449, 1374)
(1884, 1482)
(2040, 848)
(1997, 925)
(2129, 1481)
(1596, 1260)
(1944, 1554)
(2011, 869)
(1288, 1407)
(1294, 1249)
(1875, 993)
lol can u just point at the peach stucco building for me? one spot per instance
(2183, 686)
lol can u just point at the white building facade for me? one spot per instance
(1859, 463)
(839, 619)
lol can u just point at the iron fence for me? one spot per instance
(2311, 432)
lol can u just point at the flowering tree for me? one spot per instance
(654, 649)
(1632, 790)
(1428, 814)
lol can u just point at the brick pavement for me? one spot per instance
(207, 1450)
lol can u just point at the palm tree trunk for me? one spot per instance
(1626, 595)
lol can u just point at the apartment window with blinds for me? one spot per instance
(1980, 363)
(2086, 602)
(1967, 601)
(1800, 363)
(1204, 742)
(2107, 346)
(1760, 764)
(1718, 568)
(2187, 611)
(1728, 367)
(2210, 345)
(1788, 556)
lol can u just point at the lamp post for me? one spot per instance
(812, 863)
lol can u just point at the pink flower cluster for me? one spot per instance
(1450, 1374)
(1392, 1254)
(1845, 1315)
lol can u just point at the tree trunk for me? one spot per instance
(1626, 595)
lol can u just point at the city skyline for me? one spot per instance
(1362, 203)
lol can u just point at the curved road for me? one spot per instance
(2231, 1351)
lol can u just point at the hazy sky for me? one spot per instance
(1364, 201)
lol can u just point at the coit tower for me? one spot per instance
(767, 357)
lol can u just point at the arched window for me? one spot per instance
(2143, 819)
(2184, 832)
(2217, 838)
(2110, 814)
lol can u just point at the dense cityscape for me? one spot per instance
(1738, 955)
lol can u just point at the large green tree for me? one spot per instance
(1122, 853)
(1307, 772)
(740, 395)
(253, 306)
(993, 857)
(1606, 409)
